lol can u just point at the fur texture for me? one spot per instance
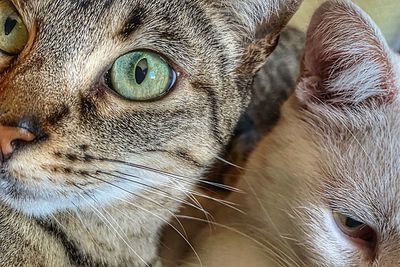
(105, 174)
(334, 149)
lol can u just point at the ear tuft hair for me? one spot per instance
(260, 23)
(347, 60)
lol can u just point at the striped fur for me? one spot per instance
(105, 174)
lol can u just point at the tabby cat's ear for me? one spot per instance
(347, 60)
(261, 21)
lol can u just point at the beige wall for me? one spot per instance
(385, 12)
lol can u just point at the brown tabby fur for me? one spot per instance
(105, 174)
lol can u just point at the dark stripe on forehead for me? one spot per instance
(133, 22)
(211, 37)
(185, 28)
(81, 3)
(100, 5)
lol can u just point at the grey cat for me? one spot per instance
(110, 112)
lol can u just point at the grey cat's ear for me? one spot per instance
(260, 22)
(347, 60)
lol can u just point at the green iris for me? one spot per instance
(142, 76)
(13, 32)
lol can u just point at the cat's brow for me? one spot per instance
(132, 23)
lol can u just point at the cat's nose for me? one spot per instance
(10, 137)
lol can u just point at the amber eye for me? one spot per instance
(359, 232)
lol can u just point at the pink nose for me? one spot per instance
(9, 136)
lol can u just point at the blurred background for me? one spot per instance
(385, 12)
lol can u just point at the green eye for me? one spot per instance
(142, 76)
(13, 32)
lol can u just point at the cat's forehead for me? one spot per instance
(122, 17)
(95, 7)
(360, 164)
(179, 29)
(78, 36)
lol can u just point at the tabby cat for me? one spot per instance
(110, 112)
(323, 187)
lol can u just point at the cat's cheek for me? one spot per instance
(341, 240)
(5, 62)
(334, 229)
(323, 240)
(39, 189)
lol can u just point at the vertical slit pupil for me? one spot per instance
(141, 71)
(9, 25)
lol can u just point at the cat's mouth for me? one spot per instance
(35, 200)
(38, 191)
(12, 189)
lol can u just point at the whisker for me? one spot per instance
(229, 163)
(190, 194)
(107, 222)
(271, 250)
(264, 210)
(168, 174)
(192, 198)
(185, 238)
(196, 206)
(156, 190)
(58, 222)
(142, 197)
(76, 217)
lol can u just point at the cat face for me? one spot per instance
(335, 153)
(107, 100)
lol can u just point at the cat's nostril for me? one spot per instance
(18, 143)
(10, 138)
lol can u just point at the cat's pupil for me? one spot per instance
(141, 71)
(351, 223)
(9, 25)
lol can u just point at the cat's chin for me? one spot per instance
(29, 202)
(42, 203)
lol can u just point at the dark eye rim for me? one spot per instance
(362, 234)
(175, 71)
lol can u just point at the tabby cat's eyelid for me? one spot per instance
(171, 60)
(4, 53)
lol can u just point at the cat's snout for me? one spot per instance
(9, 137)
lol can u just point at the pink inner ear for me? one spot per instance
(346, 59)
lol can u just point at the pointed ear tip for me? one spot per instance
(330, 22)
(279, 14)
(328, 7)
